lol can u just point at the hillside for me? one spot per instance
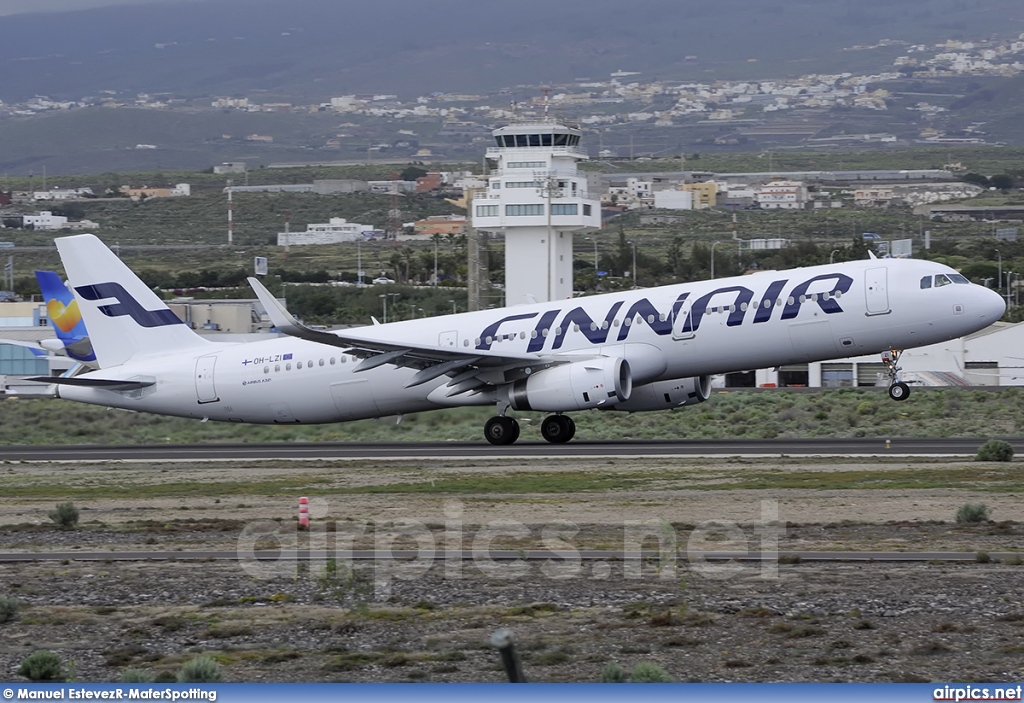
(316, 48)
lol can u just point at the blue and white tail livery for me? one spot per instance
(642, 350)
(126, 320)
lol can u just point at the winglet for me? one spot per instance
(286, 322)
(278, 313)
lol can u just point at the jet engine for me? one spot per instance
(662, 395)
(578, 385)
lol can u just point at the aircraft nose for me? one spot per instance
(990, 304)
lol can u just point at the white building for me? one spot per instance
(62, 194)
(673, 199)
(336, 231)
(46, 220)
(537, 198)
(783, 195)
(230, 167)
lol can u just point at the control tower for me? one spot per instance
(537, 198)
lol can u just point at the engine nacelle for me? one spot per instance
(662, 395)
(579, 385)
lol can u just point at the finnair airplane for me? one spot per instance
(62, 309)
(634, 351)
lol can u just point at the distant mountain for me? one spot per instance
(313, 49)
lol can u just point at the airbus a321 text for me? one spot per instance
(635, 351)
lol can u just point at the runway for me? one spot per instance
(868, 446)
(438, 556)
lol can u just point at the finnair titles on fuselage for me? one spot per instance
(648, 349)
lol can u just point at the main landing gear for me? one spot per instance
(502, 430)
(558, 429)
(898, 390)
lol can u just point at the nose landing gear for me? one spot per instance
(898, 390)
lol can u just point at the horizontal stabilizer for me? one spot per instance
(107, 384)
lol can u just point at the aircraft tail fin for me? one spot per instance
(124, 317)
(66, 317)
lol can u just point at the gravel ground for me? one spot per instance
(807, 622)
(793, 622)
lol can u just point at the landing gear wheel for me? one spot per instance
(558, 429)
(501, 430)
(899, 391)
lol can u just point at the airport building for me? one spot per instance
(537, 198)
(985, 358)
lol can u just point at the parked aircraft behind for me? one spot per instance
(62, 309)
(640, 350)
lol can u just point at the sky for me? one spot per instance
(14, 7)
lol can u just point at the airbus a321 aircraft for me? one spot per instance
(634, 351)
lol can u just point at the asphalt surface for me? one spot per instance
(368, 555)
(481, 450)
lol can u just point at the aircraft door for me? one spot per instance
(448, 339)
(683, 326)
(205, 390)
(876, 291)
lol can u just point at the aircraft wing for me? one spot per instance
(472, 369)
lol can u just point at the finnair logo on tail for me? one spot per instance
(126, 305)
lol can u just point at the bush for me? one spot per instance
(995, 450)
(201, 669)
(137, 676)
(65, 515)
(613, 673)
(42, 666)
(645, 672)
(972, 513)
(9, 608)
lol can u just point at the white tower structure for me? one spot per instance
(537, 198)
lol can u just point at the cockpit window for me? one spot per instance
(942, 280)
(957, 278)
(926, 282)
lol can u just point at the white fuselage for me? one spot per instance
(707, 327)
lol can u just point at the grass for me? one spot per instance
(558, 480)
(854, 412)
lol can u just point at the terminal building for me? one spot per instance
(537, 198)
(985, 358)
